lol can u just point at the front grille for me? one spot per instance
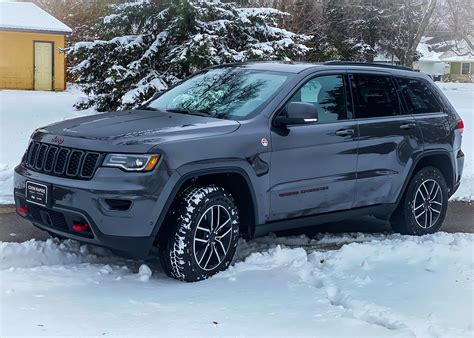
(61, 161)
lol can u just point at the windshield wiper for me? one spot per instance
(146, 108)
(190, 112)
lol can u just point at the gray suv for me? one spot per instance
(243, 150)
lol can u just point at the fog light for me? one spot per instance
(80, 226)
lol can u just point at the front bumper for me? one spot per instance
(128, 230)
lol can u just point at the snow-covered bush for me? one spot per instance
(149, 46)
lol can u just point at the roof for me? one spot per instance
(459, 58)
(25, 16)
(430, 55)
(298, 67)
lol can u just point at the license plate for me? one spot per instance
(37, 193)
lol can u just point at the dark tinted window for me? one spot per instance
(418, 97)
(375, 96)
(327, 94)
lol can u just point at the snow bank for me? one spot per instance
(51, 252)
(375, 286)
(21, 112)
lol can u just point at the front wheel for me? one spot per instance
(424, 206)
(201, 235)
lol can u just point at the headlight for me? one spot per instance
(132, 162)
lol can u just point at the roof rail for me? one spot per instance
(365, 64)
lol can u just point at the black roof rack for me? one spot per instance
(365, 64)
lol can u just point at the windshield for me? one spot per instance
(231, 93)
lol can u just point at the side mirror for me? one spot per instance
(298, 113)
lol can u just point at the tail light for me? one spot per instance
(460, 125)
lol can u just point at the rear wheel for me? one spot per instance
(201, 235)
(423, 208)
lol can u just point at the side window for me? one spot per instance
(375, 96)
(327, 94)
(418, 96)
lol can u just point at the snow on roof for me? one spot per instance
(430, 55)
(459, 58)
(25, 16)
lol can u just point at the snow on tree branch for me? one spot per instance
(147, 47)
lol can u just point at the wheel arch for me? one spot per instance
(235, 179)
(439, 159)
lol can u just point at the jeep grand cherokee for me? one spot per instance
(242, 150)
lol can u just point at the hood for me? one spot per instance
(134, 128)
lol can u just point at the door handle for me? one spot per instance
(345, 132)
(408, 126)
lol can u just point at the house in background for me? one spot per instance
(30, 42)
(430, 60)
(439, 60)
(451, 66)
(461, 68)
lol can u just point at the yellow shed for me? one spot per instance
(30, 43)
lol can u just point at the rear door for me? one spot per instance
(428, 111)
(388, 140)
(313, 166)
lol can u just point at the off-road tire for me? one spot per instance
(177, 245)
(404, 219)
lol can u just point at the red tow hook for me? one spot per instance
(22, 211)
(80, 226)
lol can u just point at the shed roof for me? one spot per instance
(25, 16)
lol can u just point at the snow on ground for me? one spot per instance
(21, 112)
(461, 95)
(371, 286)
(366, 285)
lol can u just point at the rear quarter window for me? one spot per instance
(418, 96)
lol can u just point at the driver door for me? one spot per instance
(313, 166)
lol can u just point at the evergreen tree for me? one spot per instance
(149, 45)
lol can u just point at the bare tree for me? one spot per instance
(408, 25)
(455, 20)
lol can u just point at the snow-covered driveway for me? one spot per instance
(373, 286)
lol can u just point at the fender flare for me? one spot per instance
(207, 169)
(425, 154)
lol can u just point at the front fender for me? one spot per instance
(256, 184)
